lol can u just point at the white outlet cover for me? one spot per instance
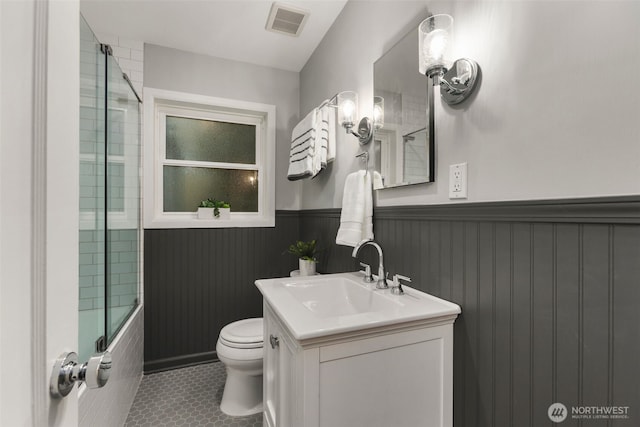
(458, 181)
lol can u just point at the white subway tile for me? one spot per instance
(125, 70)
(110, 406)
(131, 65)
(137, 54)
(136, 76)
(121, 52)
(138, 87)
(109, 39)
(133, 44)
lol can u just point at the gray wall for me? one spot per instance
(548, 290)
(172, 69)
(544, 123)
(199, 280)
(549, 296)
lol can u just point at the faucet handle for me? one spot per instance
(396, 289)
(368, 278)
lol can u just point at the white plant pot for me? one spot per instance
(225, 213)
(307, 268)
(205, 213)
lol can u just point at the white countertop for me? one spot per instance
(317, 306)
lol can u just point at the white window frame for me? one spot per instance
(159, 103)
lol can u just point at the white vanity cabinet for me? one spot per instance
(392, 375)
(279, 374)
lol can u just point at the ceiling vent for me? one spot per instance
(285, 19)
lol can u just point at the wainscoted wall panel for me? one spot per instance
(550, 297)
(198, 280)
(322, 225)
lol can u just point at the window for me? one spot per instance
(199, 147)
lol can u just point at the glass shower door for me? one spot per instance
(92, 193)
(123, 199)
(109, 196)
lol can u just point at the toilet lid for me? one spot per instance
(247, 333)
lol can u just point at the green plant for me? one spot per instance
(304, 250)
(219, 204)
(208, 203)
(215, 204)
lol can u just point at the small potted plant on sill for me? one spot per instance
(221, 209)
(212, 208)
(306, 253)
(206, 208)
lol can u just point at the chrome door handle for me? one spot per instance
(66, 372)
(275, 342)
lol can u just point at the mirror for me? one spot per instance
(404, 143)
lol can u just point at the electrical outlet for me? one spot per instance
(458, 181)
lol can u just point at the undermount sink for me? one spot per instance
(317, 306)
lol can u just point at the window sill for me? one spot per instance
(190, 220)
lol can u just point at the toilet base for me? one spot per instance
(242, 394)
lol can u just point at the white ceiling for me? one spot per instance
(232, 29)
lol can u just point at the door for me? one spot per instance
(270, 370)
(39, 48)
(279, 397)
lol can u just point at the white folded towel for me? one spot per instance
(327, 130)
(320, 155)
(325, 137)
(356, 218)
(313, 143)
(303, 147)
(331, 147)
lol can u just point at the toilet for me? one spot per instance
(239, 348)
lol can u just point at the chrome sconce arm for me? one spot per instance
(365, 131)
(458, 83)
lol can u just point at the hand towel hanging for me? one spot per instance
(356, 218)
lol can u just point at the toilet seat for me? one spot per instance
(246, 333)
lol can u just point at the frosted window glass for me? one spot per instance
(185, 187)
(210, 141)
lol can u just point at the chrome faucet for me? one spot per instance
(382, 275)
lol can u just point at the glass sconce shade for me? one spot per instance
(378, 112)
(347, 109)
(434, 34)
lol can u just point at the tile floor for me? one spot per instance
(185, 397)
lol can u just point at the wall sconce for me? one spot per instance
(378, 112)
(457, 81)
(348, 112)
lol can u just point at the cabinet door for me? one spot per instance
(279, 374)
(271, 364)
(286, 381)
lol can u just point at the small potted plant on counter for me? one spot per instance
(306, 253)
